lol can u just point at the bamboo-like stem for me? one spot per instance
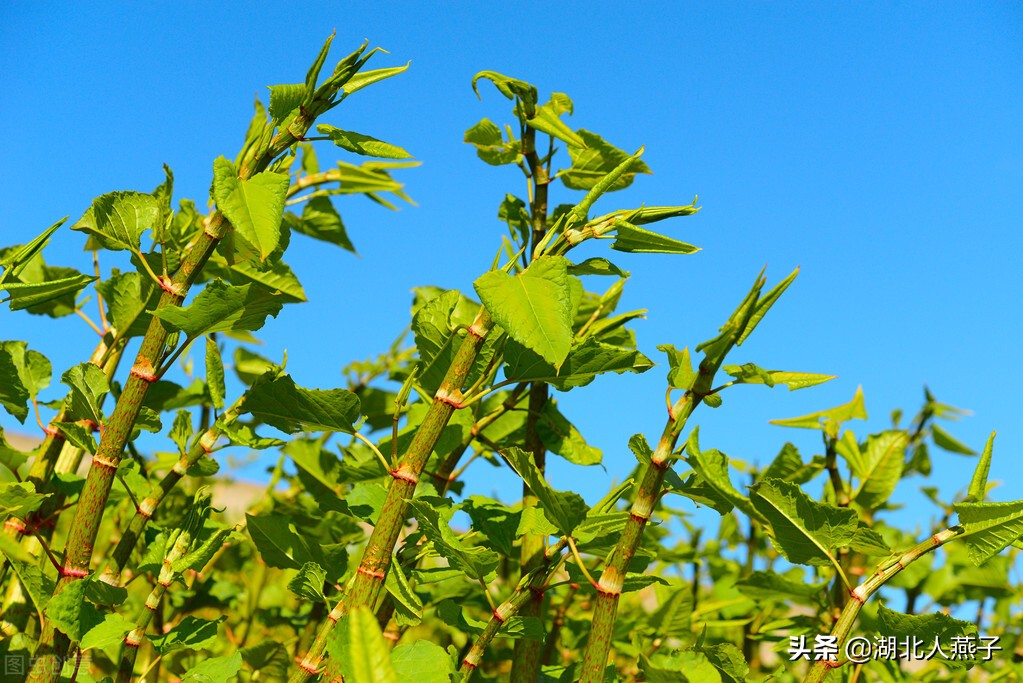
(515, 604)
(85, 525)
(609, 587)
(144, 511)
(860, 595)
(134, 639)
(527, 654)
(376, 560)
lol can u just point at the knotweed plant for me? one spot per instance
(118, 563)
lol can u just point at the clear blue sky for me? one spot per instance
(878, 146)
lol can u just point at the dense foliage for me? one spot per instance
(353, 564)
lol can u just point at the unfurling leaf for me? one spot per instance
(978, 485)
(590, 164)
(215, 373)
(362, 144)
(750, 373)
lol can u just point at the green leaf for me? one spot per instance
(321, 221)
(190, 633)
(533, 307)
(19, 499)
(635, 240)
(768, 585)
(565, 508)
(978, 484)
(947, 442)
(408, 608)
(215, 670)
(594, 161)
(88, 384)
(728, 660)
(476, 562)
(14, 261)
(547, 119)
(273, 276)
(750, 373)
(10, 458)
(308, 583)
(108, 632)
(250, 366)
(764, 304)
(423, 662)
(362, 144)
(221, 307)
(34, 369)
(561, 437)
(215, 374)
(365, 78)
(278, 544)
(436, 325)
(26, 295)
(989, 527)
(70, 613)
(509, 87)
(712, 467)
(78, 435)
(366, 658)
(254, 206)
(118, 219)
(291, 408)
(491, 145)
(681, 374)
(926, 627)
(881, 468)
(14, 394)
(497, 521)
(788, 465)
(128, 296)
(829, 420)
(869, 542)
(803, 530)
(673, 616)
(584, 362)
(596, 266)
(37, 586)
(200, 555)
(285, 98)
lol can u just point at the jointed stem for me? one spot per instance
(523, 595)
(376, 560)
(859, 596)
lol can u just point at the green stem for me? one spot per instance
(521, 598)
(147, 507)
(859, 596)
(369, 578)
(527, 655)
(609, 587)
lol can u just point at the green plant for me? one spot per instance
(349, 567)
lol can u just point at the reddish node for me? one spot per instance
(405, 476)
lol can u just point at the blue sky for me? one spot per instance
(877, 146)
